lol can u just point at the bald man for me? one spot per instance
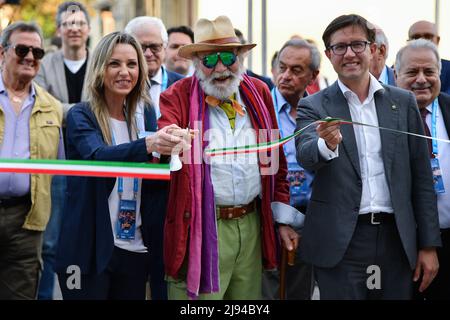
(428, 30)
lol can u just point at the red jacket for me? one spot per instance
(174, 105)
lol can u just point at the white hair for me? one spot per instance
(143, 22)
(417, 44)
(222, 93)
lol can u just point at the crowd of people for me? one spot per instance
(343, 197)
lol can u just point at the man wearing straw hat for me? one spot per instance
(219, 230)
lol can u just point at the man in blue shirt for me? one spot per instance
(298, 65)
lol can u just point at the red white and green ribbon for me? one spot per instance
(109, 169)
(266, 146)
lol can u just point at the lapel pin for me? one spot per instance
(49, 122)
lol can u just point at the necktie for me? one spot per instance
(230, 106)
(424, 112)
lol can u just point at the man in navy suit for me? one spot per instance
(417, 69)
(378, 67)
(152, 35)
(372, 216)
(427, 30)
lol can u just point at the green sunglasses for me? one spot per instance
(227, 58)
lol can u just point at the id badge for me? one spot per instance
(437, 176)
(298, 186)
(126, 223)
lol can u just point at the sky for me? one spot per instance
(310, 18)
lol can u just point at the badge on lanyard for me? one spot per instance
(126, 223)
(298, 185)
(435, 167)
(437, 176)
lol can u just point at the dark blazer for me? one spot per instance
(266, 80)
(391, 77)
(333, 209)
(444, 104)
(86, 236)
(445, 76)
(172, 77)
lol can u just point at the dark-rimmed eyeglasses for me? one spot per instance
(22, 50)
(228, 58)
(341, 48)
(154, 47)
(74, 24)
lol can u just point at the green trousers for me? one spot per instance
(240, 262)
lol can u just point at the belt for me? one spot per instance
(375, 218)
(235, 212)
(14, 201)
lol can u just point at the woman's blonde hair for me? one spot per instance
(95, 81)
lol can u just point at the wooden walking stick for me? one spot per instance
(287, 258)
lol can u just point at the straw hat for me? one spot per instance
(213, 35)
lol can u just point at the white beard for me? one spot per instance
(220, 92)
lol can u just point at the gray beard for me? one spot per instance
(220, 93)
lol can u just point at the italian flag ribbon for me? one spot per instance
(266, 146)
(103, 169)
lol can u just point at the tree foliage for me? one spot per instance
(42, 12)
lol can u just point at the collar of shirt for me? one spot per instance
(281, 103)
(158, 77)
(3, 89)
(384, 76)
(430, 107)
(374, 86)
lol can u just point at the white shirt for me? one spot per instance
(375, 191)
(236, 179)
(443, 199)
(155, 91)
(120, 132)
(74, 65)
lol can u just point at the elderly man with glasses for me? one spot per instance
(371, 227)
(219, 227)
(30, 128)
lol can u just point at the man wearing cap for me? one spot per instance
(219, 227)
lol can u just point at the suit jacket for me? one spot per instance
(86, 236)
(445, 76)
(333, 209)
(172, 77)
(266, 80)
(444, 104)
(391, 77)
(52, 77)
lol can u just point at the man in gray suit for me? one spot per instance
(372, 217)
(63, 74)
(417, 68)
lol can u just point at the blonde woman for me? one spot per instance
(104, 227)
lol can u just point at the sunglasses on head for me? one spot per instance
(22, 51)
(227, 58)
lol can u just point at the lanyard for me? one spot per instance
(433, 127)
(120, 179)
(164, 80)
